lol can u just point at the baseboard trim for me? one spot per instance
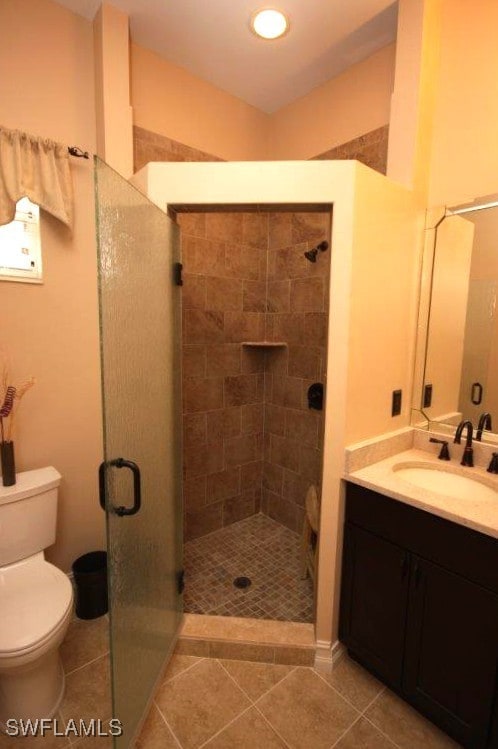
(327, 654)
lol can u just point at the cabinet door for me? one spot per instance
(374, 602)
(451, 652)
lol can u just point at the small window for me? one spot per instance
(20, 248)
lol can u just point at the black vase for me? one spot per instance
(8, 463)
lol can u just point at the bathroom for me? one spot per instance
(61, 424)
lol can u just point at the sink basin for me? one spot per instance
(444, 481)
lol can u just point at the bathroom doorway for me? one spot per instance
(255, 318)
(140, 479)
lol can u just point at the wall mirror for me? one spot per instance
(457, 375)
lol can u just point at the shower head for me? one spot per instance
(311, 255)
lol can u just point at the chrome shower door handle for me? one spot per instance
(137, 487)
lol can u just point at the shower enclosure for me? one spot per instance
(255, 312)
(140, 479)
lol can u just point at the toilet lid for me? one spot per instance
(34, 598)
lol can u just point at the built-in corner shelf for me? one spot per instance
(264, 344)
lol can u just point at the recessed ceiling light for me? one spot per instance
(269, 23)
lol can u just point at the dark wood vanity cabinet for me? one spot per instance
(419, 609)
(374, 601)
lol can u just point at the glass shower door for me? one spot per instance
(140, 479)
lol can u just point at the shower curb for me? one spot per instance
(233, 638)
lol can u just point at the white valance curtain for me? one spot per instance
(37, 168)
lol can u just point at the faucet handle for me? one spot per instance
(493, 464)
(444, 453)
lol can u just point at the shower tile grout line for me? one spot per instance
(78, 668)
(269, 690)
(383, 733)
(345, 698)
(256, 706)
(244, 711)
(273, 728)
(175, 737)
(188, 668)
(360, 716)
(362, 713)
(346, 731)
(250, 706)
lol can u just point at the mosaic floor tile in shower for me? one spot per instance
(257, 548)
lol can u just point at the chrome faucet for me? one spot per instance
(484, 423)
(468, 452)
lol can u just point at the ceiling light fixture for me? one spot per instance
(269, 23)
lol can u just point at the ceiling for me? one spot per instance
(211, 39)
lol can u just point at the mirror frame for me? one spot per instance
(434, 218)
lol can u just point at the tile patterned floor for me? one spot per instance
(225, 704)
(258, 548)
(205, 703)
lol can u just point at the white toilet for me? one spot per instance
(36, 599)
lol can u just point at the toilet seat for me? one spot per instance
(36, 601)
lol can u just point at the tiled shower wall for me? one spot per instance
(297, 314)
(369, 148)
(247, 426)
(224, 258)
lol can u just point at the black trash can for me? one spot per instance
(90, 578)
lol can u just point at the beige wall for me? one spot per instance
(444, 115)
(373, 310)
(114, 115)
(168, 100)
(464, 162)
(171, 101)
(384, 300)
(51, 330)
(347, 106)
(415, 93)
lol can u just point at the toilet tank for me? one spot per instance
(28, 514)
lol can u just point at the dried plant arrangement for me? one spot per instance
(10, 407)
(10, 398)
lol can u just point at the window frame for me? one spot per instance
(26, 275)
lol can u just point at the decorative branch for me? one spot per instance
(7, 406)
(19, 392)
(8, 402)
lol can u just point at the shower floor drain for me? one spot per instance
(242, 582)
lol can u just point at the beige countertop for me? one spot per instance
(481, 514)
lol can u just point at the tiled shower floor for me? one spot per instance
(258, 548)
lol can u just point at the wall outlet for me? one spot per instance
(427, 396)
(396, 402)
